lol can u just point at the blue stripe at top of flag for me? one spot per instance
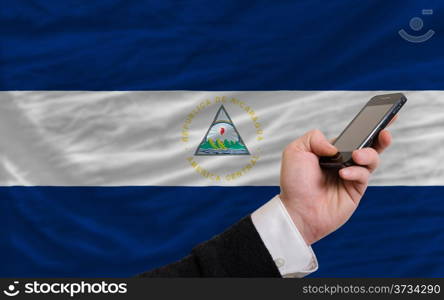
(229, 45)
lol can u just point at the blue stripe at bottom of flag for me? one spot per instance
(121, 231)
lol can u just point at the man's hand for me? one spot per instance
(319, 201)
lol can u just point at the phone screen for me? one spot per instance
(361, 127)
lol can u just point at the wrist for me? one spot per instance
(303, 227)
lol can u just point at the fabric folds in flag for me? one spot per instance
(130, 132)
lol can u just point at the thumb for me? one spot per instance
(315, 141)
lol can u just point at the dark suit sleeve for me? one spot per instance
(237, 252)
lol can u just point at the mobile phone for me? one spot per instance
(364, 129)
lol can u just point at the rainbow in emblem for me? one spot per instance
(222, 138)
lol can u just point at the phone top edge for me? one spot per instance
(387, 99)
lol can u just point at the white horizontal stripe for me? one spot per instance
(135, 138)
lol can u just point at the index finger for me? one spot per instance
(393, 120)
(383, 141)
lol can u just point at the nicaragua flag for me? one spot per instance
(131, 131)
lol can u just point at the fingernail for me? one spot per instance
(358, 155)
(345, 172)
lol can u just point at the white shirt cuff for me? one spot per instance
(292, 256)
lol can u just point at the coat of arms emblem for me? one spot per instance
(222, 138)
